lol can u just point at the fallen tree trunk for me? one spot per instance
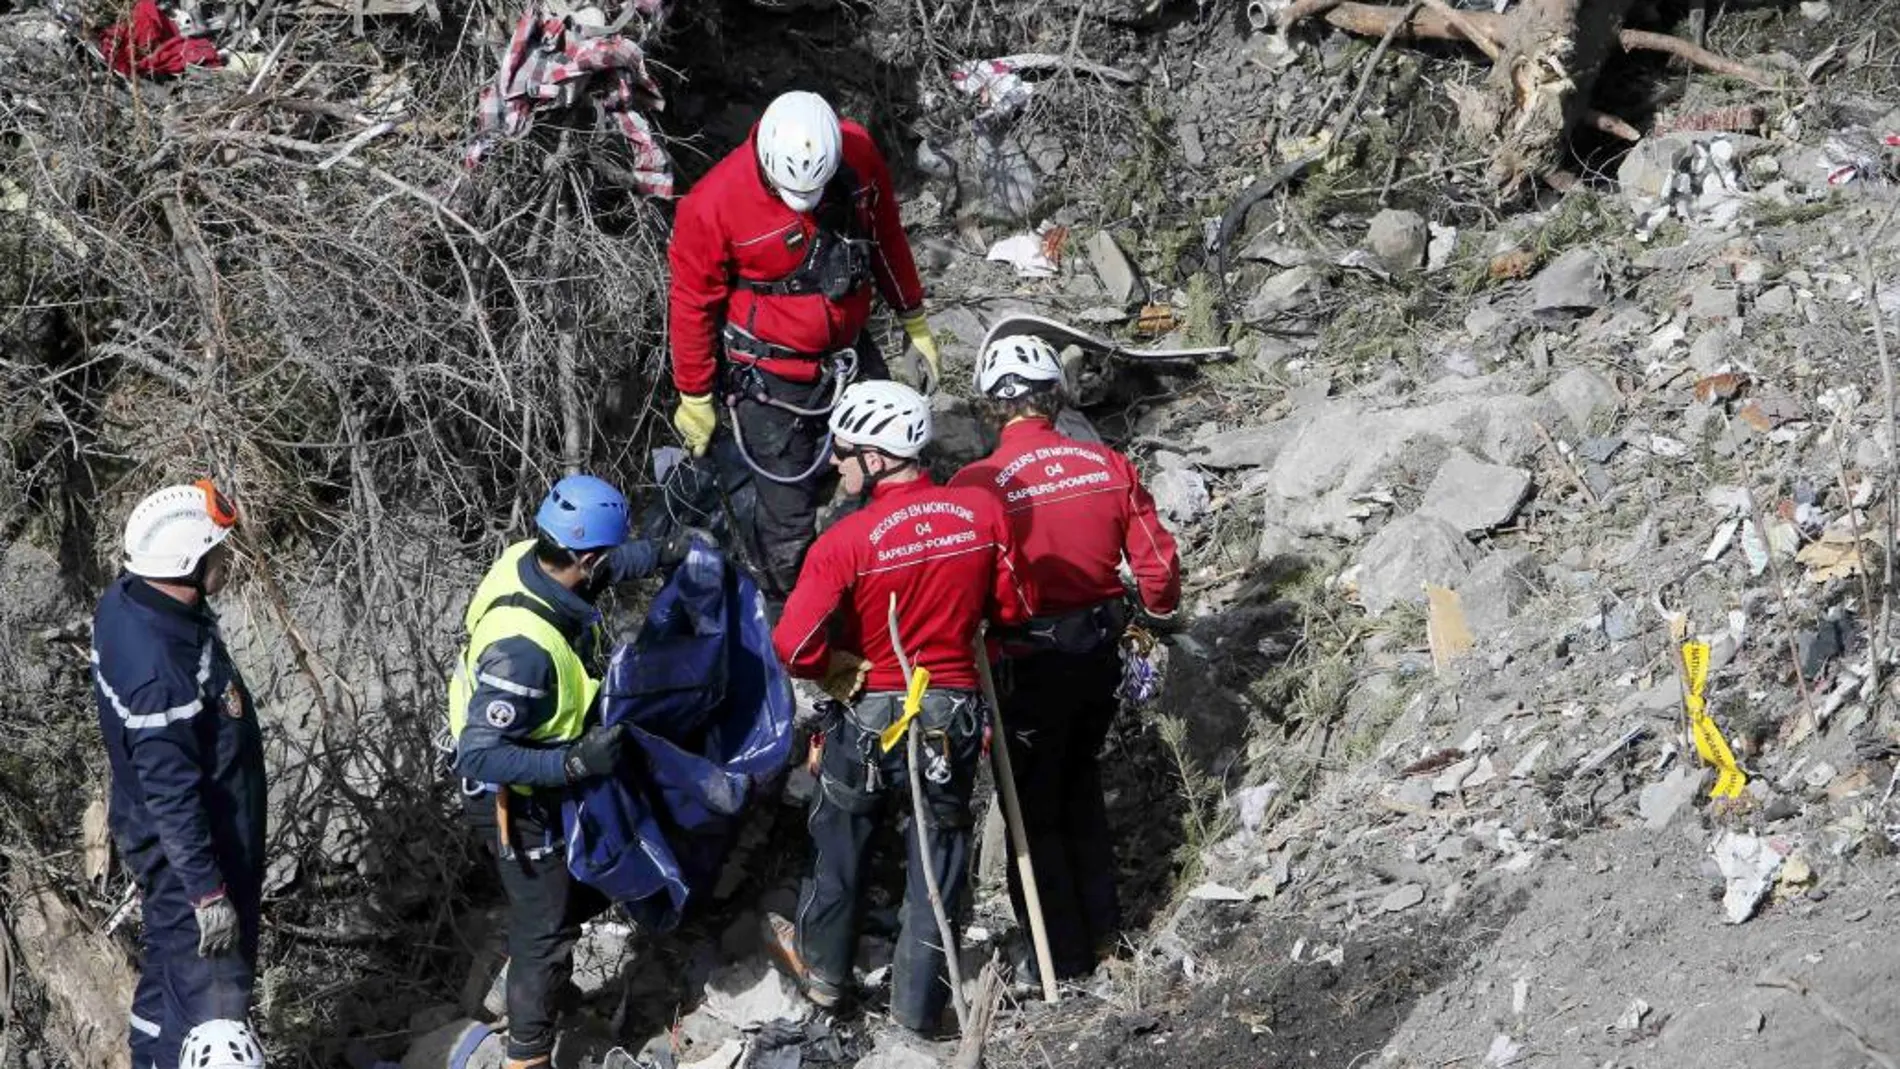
(87, 978)
(1540, 86)
(1546, 57)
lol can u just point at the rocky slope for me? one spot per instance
(1421, 789)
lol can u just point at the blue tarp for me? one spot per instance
(711, 711)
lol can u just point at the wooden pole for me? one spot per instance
(1013, 817)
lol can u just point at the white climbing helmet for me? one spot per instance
(799, 148)
(883, 415)
(221, 1044)
(1016, 365)
(171, 530)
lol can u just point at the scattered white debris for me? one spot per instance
(1025, 253)
(1504, 1051)
(1632, 1019)
(1749, 864)
(1216, 892)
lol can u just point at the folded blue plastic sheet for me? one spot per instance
(710, 710)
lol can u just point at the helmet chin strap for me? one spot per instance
(871, 479)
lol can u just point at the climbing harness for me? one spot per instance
(746, 384)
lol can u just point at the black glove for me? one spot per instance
(217, 925)
(1171, 624)
(596, 754)
(674, 550)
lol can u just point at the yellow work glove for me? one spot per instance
(844, 676)
(695, 420)
(929, 370)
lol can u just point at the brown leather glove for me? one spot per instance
(844, 676)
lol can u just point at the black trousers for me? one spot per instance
(546, 908)
(856, 783)
(784, 444)
(1057, 708)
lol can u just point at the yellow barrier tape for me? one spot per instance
(913, 704)
(1709, 741)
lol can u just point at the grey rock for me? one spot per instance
(1191, 148)
(894, 1053)
(1484, 320)
(433, 1050)
(958, 434)
(30, 581)
(1709, 351)
(1406, 554)
(1047, 151)
(602, 955)
(1474, 496)
(1599, 450)
(1284, 291)
(1312, 392)
(934, 163)
(430, 1018)
(1778, 301)
(1180, 495)
(1714, 301)
(33, 600)
(1460, 362)
(1112, 267)
(1622, 622)
(1539, 350)
(1403, 898)
(1271, 354)
(1001, 184)
(1074, 423)
(1321, 456)
(1660, 802)
(1572, 282)
(959, 333)
(1498, 588)
(1399, 239)
(1268, 248)
(725, 1056)
(1648, 170)
(1417, 791)
(751, 994)
(1583, 395)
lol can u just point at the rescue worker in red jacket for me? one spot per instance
(1077, 511)
(946, 558)
(774, 257)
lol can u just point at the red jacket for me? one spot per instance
(1076, 510)
(947, 556)
(733, 225)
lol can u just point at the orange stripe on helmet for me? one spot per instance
(217, 506)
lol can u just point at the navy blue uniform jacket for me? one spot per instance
(182, 735)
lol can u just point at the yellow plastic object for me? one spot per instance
(913, 704)
(1709, 741)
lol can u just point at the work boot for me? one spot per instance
(780, 939)
(538, 1061)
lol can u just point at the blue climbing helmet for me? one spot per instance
(583, 512)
